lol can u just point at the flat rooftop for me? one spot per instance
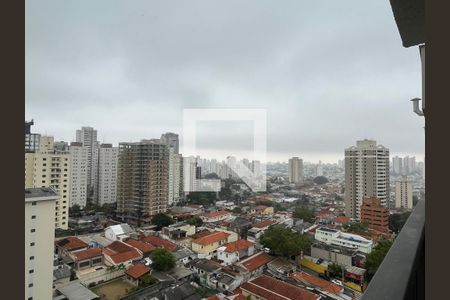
(36, 194)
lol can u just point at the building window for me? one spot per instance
(33, 203)
(30, 285)
(31, 271)
(33, 217)
(33, 230)
(31, 257)
(32, 244)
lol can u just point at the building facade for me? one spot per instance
(142, 180)
(31, 139)
(404, 193)
(39, 242)
(375, 215)
(366, 175)
(47, 168)
(88, 136)
(79, 170)
(105, 190)
(295, 170)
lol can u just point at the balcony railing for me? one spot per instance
(401, 275)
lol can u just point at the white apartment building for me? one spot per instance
(366, 175)
(46, 168)
(88, 136)
(39, 242)
(175, 161)
(335, 237)
(106, 188)
(404, 193)
(397, 165)
(295, 170)
(79, 169)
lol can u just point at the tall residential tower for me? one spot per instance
(366, 175)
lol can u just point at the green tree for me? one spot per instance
(148, 279)
(237, 210)
(75, 211)
(335, 270)
(304, 213)
(374, 258)
(396, 221)
(320, 180)
(163, 260)
(196, 221)
(284, 242)
(162, 220)
(356, 227)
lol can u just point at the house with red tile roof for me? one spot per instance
(216, 216)
(158, 242)
(118, 253)
(232, 252)
(145, 248)
(134, 273)
(264, 210)
(209, 243)
(268, 288)
(255, 264)
(317, 282)
(69, 244)
(264, 224)
(84, 259)
(341, 220)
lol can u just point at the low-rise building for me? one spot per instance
(268, 288)
(118, 232)
(207, 244)
(234, 251)
(264, 210)
(255, 264)
(339, 255)
(216, 216)
(134, 273)
(88, 258)
(344, 239)
(118, 253)
(375, 214)
(317, 282)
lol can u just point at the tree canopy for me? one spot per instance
(396, 221)
(163, 260)
(197, 221)
(284, 242)
(304, 213)
(162, 220)
(374, 258)
(320, 180)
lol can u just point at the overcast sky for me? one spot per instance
(327, 72)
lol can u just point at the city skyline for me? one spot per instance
(134, 86)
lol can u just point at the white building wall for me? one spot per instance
(107, 175)
(39, 248)
(78, 167)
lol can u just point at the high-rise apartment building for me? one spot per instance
(175, 161)
(31, 139)
(397, 165)
(88, 136)
(366, 175)
(404, 193)
(142, 180)
(79, 170)
(409, 165)
(105, 191)
(375, 214)
(172, 140)
(47, 168)
(295, 170)
(39, 242)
